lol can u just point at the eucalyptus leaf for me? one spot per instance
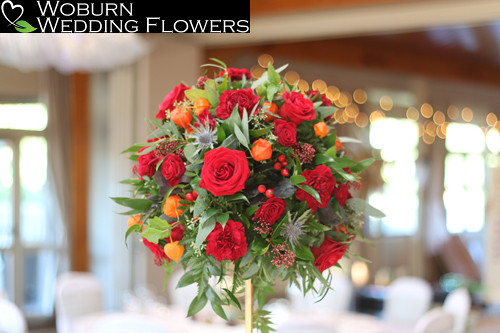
(241, 137)
(138, 204)
(197, 305)
(204, 230)
(191, 152)
(363, 207)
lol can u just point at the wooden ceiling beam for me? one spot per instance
(365, 54)
(266, 7)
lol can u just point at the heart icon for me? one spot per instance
(11, 11)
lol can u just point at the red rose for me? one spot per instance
(176, 95)
(286, 132)
(224, 171)
(236, 74)
(229, 243)
(176, 234)
(297, 108)
(341, 192)
(320, 179)
(328, 254)
(313, 95)
(146, 163)
(271, 210)
(156, 249)
(244, 98)
(204, 117)
(172, 169)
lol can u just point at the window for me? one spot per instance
(30, 234)
(397, 140)
(464, 195)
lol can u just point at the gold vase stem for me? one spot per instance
(248, 306)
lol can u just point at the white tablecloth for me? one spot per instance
(175, 321)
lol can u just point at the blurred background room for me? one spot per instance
(416, 83)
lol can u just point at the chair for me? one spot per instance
(11, 318)
(407, 299)
(435, 321)
(77, 294)
(337, 300)
(180, 298)
(458, 303)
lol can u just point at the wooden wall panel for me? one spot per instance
(79, 109)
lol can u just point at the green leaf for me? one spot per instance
(134, 149)
(221, 134)
(322, 159)
(311, 191)
(273, 77)
(24, 26)
(251, 210)
(130, 230)
(234, 119)
(215, 302)
(297, 179)
(197, 305)
(222, 219)
(259, 132)
(195, 94)
(271, 91)
(362, 165)
(232, 298)
(236, 197)
(136, 204)
(241, 137)
(363, 207)
(188, 278)
(342, 162)
(303, 252)
(204, 230)
(331, 152)
(168, 269)
(213, 89)
(191, 152)
(220, 62)
(254, 267)
(326, 111)
(157, 229)
(259, 246)
(330, 139)
(211, 212)
(230, 142)
(244, 125)
(358, 256)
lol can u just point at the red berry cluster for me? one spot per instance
(191, 196)
(268, 192)
(281, 164)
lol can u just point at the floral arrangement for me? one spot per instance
(245, 178)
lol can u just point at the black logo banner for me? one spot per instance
(128, 16)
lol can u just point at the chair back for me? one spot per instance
(458, 303)
(407, 299)
(77, 294)
(336, 300)
(11, 318)
(435, 321)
